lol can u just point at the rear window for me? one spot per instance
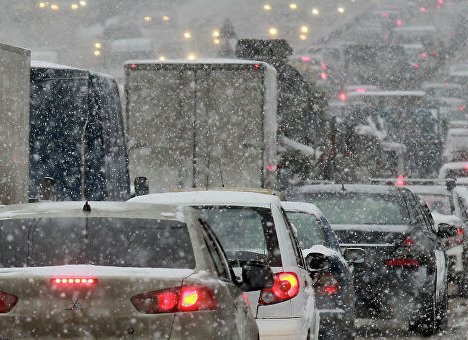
(355, 208)
(246, 233)
(121, 242)
(309, 232)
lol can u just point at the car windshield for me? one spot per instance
(351, 208)
(120, 242)
(438, 203)
(309, 231)
(246, 234)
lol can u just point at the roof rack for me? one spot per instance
(401, 181)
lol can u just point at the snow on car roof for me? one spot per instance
(211, 197)
(387, 94)
(46, 64)
(98, 209)
(302, 207)
(429, 189)
(451, 166)
(441, 86)
(216, 61)
(353, 188)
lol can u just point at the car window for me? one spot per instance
(309, 232)
(245, 233)
(121, 242)
(216, 252)
(356, 208)
(332, 241)
(294, 241)
(438, 203)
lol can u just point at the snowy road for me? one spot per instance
(384, 329)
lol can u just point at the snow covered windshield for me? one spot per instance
(245, 233)
(359, 208)
(117, 242)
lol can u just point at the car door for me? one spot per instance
(245, 322)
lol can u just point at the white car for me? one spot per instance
(115, 270)
(253, 227)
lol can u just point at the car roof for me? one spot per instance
(349, 188)
(428, 189)
(308, 208)
(98, 209)
(211, 197)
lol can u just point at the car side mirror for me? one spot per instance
(354, 255)
(256, 276)
(445, 230)
(317, 262)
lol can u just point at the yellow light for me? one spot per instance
(304, 29)
(315, 11)
(97, 53)
(74, 6)
(341, 10)
(162, 58)
(97, 45)
(190, 299)
(267, 7)
(148, 19)
(165, 18)
(216, 41)
(191, 56)
(187, 35)
(273, 31)
(54, 7)
(42, 5)
(215, 34)
(302, 36)
(293, 5)
(83, 3)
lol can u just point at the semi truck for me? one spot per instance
(76, 136)
(201, 124)
(14, 124)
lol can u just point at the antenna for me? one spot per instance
(342, 187)
(221, 174)
(86, 207)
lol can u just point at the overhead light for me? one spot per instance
(97, 45)
(293, 6)
(273, 31)
(341, 10)
(304, 29)
(187, 35)
(215, 34)
(315, 11)
(267, 7)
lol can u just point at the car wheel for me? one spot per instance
(442, 313)
(425, 323)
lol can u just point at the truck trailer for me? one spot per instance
(202, 124)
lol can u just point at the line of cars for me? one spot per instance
(223, 263)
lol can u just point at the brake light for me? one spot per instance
(461, 107)
(257, 66)
(323, 76)
(7, 302)
(424, 55)
(134, 66)
(285, 287)
(343, 96)
(305, 59)
(327, 284)
(180, 299)
(402, 262)
(85, 281)
(271, 167)
(408, 241)
(398, 22)
(400, 182)
(461, 235)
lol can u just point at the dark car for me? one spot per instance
(404, 275)
(333, 280)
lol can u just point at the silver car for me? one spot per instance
(114, 270)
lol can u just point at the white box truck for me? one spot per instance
(14, 124)
(201, 124)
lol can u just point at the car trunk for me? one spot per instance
(46, 309)
(380, 243)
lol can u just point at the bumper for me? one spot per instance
(282, 329)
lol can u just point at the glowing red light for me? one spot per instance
(461, 107)
(466, 167)
(271, 167)
(423, 9)
(416, 66)
(408, 241)
(305, 59)
(440, 2)
(424, 55)
(360, 90)
(323, 76)
(400, 181)
(167, 300)
(72, 280)
(285, 287)
(385, 14)
(398, 22)
(343, 96)
(257, 66)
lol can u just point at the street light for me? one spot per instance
(187, 35)
(267, 7)
(304, 29)
(54, 7)
(148, 19)
(315, 11)
(293, 6)
(97, 45)
(165, 18)
(191, 56)
(215, 34)
(341, 10)
(42, 5)
(74, 6)
(273, 31)
(162, 58)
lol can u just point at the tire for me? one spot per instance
(442, 312)
(426, 322)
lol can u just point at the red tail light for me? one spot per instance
(343, 96)
(323, 76)
(400, 182)
(285, 287)
(408, 241)
(460, 235)
(180, 299)
(69, 281)
(461, 107)
(327, 284)
(402, 262)
(423, 55)
(7, 302)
